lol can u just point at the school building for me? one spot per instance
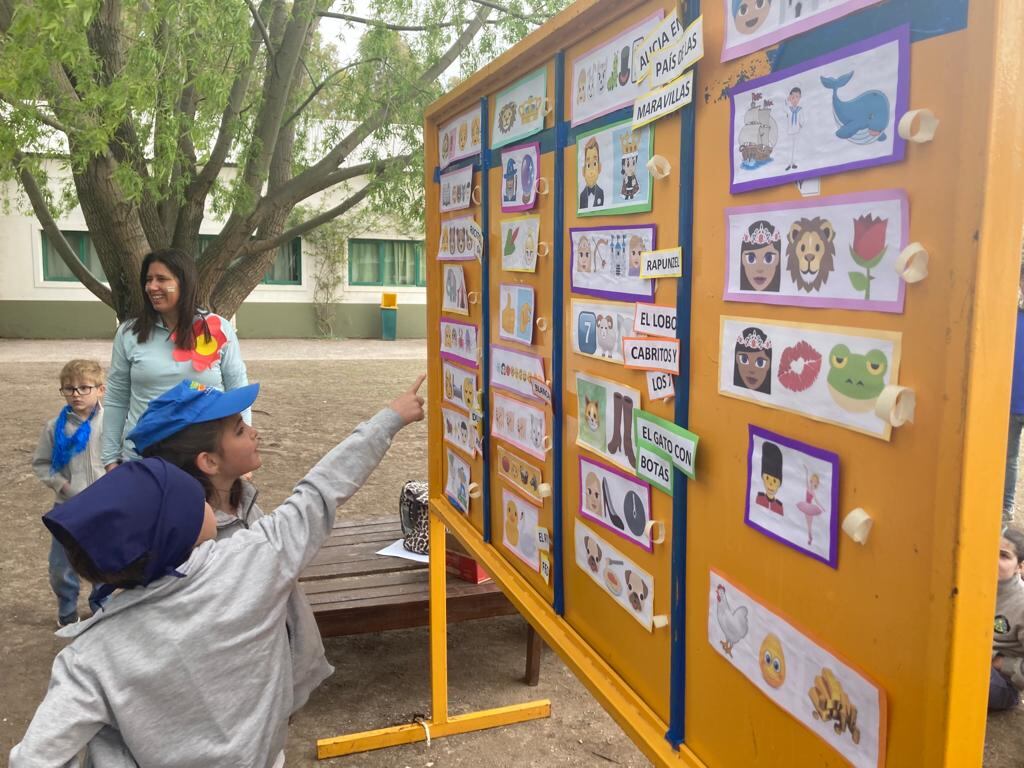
(41, 299)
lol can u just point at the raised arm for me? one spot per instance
(115, 401)
(298, 528)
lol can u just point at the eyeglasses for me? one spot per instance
(69, 391)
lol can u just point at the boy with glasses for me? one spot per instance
(68, 461)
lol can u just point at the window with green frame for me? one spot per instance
(54, 268)
(286, 268)
(386, 262)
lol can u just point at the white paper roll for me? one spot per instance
(659, 621)
(544, 490)
(474, 490)
(857, 525)
(652, 525)
(542, 323)
(896, 405)
(927, 124)
(659, 167)
(912, 263)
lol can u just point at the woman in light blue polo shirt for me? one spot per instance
(159, 348)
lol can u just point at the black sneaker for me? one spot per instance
(63, 621)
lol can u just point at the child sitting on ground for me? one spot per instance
(1006, 679)
(194, 669)
(67, 459)
(201, 431)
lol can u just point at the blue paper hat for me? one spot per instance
(185, 404)
(146, 508)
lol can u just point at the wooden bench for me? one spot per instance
(353, 590)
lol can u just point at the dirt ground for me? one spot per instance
(305, 406)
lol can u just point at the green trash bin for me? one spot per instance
(388, 316)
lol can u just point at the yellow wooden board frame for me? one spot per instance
(920, 567)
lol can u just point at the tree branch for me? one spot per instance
(387, 25)
(259, 246)
(319, 87)
(258, 23)
(37, 113)
(54, 235)
(534, 19)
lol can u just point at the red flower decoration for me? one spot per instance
(206, 352)
(869, 240)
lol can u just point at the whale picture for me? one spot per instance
(864, 118)
(834, 113)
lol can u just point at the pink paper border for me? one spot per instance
(529, 450)
(535, 146)
(454, 356)
(818, 302)
(515, 351)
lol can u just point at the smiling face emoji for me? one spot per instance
(750, 15)
(772, 661)
(855, 381)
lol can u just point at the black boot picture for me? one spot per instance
(627, 428)
(616, 441)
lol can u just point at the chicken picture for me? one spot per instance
(732, 622)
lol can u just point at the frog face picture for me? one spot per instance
(855, 381)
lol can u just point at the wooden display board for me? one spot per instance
(841, 272)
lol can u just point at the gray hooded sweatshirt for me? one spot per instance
(195, 671)
(84, 469)
(309, 662)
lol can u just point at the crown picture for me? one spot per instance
(630, 143)
(753, 341)
(761, 236)
(529, 109)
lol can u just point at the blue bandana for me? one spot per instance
(65, 446)
(145, 508)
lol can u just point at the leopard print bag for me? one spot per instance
(412, 507)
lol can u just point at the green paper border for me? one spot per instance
(642, 207)
(672, 427)
(496, 144)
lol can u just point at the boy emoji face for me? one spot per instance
(794, 97)
(591, 163)
(771, 469)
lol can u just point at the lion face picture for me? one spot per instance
(810, 253)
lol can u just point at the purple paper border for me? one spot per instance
(514, 351)
(649, 546)
(440, 190)
(529, 450)
(452, 356)
(900, 35)
(819, 302)
(517, 340)
(810, 450)
(790, 30)
(573, 121)
(467, 373)
(597, 292)
(535, 146)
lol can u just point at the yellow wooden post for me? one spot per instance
(439, 724)
(438, 623)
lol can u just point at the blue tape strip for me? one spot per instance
(684, 287)
(558, 322)
(485, 304)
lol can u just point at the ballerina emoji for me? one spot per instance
(810, 506)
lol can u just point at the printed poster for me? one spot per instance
(519, 424)
(520, 177)
(519, 531)
(519, 110)
(599, 327)
(459, 430)
(459, 138)
(793, 494)
(628, 585)
(515, 307)
(605, 419)
(457, 189)
(605, 261)
(520, 244)
(524, 476)
(821, 691)
(512, 370)
(823, 252)
(751, 25)
(459, 342)
(459, 386)
(611, 170)
(461, 240)
(607, 77)
(824, 372)
(455, 298)
(456, 485)
(833, 114)
(615, 501)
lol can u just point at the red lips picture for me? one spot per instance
(799, 366)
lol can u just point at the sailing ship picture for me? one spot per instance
(759, 134)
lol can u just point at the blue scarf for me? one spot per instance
(66, 447)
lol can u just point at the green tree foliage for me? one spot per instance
(161, 110)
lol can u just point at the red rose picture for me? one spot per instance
(799, 366)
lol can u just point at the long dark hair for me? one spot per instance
(183, 268)
(182, 448)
